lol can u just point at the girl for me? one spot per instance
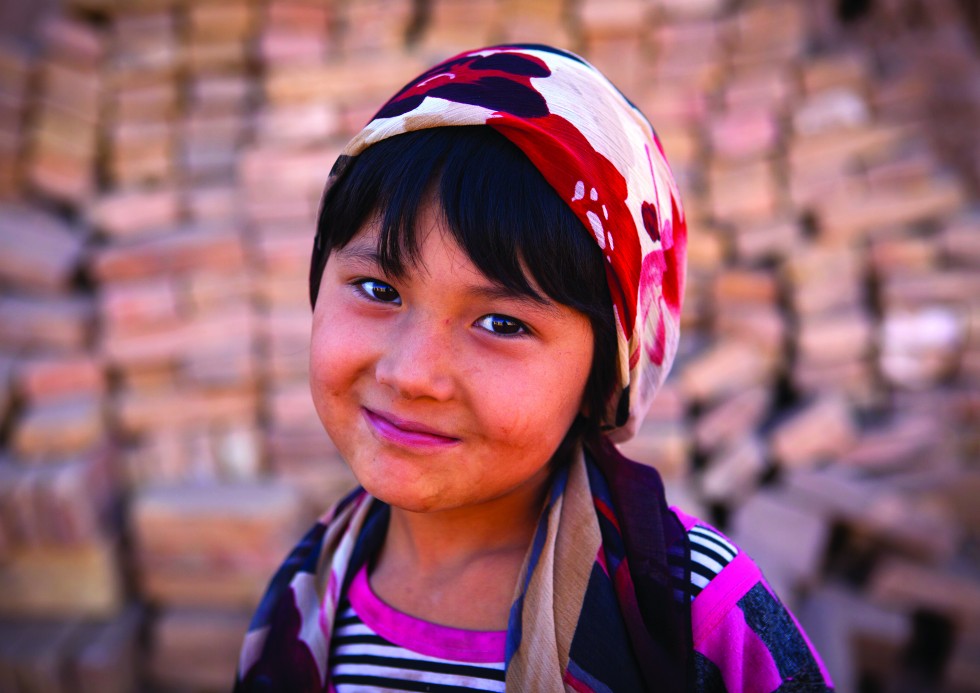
(496, 285)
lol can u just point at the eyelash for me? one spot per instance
(367, 287)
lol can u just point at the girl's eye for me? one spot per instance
(378, 291)
(502, 325)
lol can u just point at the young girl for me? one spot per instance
(496, 283)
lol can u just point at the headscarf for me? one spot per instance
(601, 156)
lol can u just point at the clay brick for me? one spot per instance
(297, 124)
(912, 586)
(786, 540)
(737, 287)
(154, 102)
(746, 192)
(282, 47)
(830, 111)
(299, 17)
(48, 378)
(744, 134)
(761, 326)
(38, 659)
(343, 82)
(851, 218)
(72, 40)
(45, 323)
(960, 241)
(218, 94)
(921, 347)
(771, 239)
(910, 293)
(58, 428)
(732, 419)
(818, 431)
(844, 70)
(130, 213)
(290, 406)
(835, 337)
(105, 657)
(62, 582)
(212, 544)
(212, 203)
(662, 445)
(206, 292)
(188, 249)
(723, 369)
(73, 91)
(221, 21)
(133, 306)
(61, 175)
(768, 87)
(140, 412)
(195, 650)
(38, 251)
(732, 474)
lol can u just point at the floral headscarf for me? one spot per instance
(603, 158)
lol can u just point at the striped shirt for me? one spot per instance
(376, 648)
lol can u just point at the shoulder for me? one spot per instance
(744, 638)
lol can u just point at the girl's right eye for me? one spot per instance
(376, 290)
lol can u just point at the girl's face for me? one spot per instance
(441, 389)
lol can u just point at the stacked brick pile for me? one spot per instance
(163, 163)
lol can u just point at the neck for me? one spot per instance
(447, 540)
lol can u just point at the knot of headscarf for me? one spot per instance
(601, 156)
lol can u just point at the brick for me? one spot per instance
(38, 660)
(903, 254)
(722, 370)
(56, 324)
(787, 541)
(922, 347)
(58, 428)
(188, 249)
(343, 82)
(212, 203)
(208, 292)
(732, 474)
(212, 544)
(761, 326)
(297, 124)
(746, 192)
(38, 251)
(835, 337)
(106, 654)
(298, 17)
(743, 134)
(290, 406)
(960, 241)
(130, 213)
(767, 240)
(72, 40)
(221, 21)
(129, 307)
(72, 90)
(48, 378)
(768, 87)
(915, 292)
(140, 412)
(893, 520)
(912, 586)
(196, 649)
(737, 286)
(831, 110)
(282, 47)
(815, 432)
(856, 380)
(62, 176)
(733, 418)
(148, 103)
(662, 445)
(851, 218)
(62, 582)
(218, 94)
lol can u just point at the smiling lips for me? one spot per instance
(392, 429)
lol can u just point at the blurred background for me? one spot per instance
(160, 166)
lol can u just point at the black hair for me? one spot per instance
(502, 213)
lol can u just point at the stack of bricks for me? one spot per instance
(168, 160)
(60, 540)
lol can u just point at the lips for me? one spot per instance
(406, 433)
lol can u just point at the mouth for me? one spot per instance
(405, 433)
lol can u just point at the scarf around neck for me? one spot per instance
(601, 603)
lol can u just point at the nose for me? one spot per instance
(417, 360)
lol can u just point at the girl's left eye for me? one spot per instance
(502, 325)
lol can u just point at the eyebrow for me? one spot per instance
(367, 253)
